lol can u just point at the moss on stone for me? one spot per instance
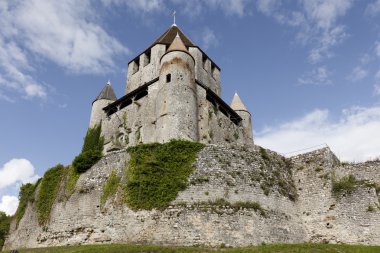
(110, 187)
(157, 172)
(71, 181)
(48, 192)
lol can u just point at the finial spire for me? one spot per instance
(174, 24)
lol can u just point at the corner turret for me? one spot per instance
(105, 97)
(238, 106)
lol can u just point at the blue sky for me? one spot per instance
(308, 70)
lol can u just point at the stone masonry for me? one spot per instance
(295, 193)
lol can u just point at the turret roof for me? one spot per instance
(169, 35)
(107, 93)
(237, 104)
(177, 45)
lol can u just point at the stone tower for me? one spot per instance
(238, 106)
(105, 97)
(177, 110)
(172, 91)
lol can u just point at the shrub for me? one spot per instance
(264, 154)
(91, 150)
(157, 172)
(4, 227)
(26, 194)
(86, 160)
(345, 185)
(93, 139)
(110, 187)
(48, 192)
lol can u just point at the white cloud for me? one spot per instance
(66, 33)
(209, 38)
(9, 204)
(228, 7)
(141, 6)
(377, 75)
(377, 89)
(318, 76)
(373, 8)
(358, 73)
(352, 137)
(316, 22)
(17, 170)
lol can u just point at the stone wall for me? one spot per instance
(296, 195)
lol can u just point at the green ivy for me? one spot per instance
(48, 192)
(110, 187)
(91, 150)
(93, 139)
(25, 196)
(157, 172)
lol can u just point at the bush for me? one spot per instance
(26, 194)
(91, 150)
(93, 139)
(345, 185)
(4, 227)
(157, 172)
(86, 160)
(48, 192)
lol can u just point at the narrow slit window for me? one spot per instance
(168, 78)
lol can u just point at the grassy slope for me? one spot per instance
(276, 248)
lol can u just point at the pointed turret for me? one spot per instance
(107, 93)
(177, 45)
(105, 97)
(238, 106)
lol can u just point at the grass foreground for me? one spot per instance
(276, 248)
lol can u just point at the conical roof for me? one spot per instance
(237, 104)
(177, 45)
(107, 93)
(169, 35)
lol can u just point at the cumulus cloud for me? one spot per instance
(352, 137)
(209, 38)
(228, 7)
(316, 22)
(66, 33)
(9, 204)
(377, 48)
(138, 6)
(15, 171)
(318, 76)
(373, 8)
(358, 73)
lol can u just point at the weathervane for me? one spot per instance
(174, 12)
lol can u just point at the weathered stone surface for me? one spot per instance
(234, 173)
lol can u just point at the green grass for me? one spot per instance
(48, 192)
(271, 248)
(26, 195)
(157, 172)
(110, 187)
